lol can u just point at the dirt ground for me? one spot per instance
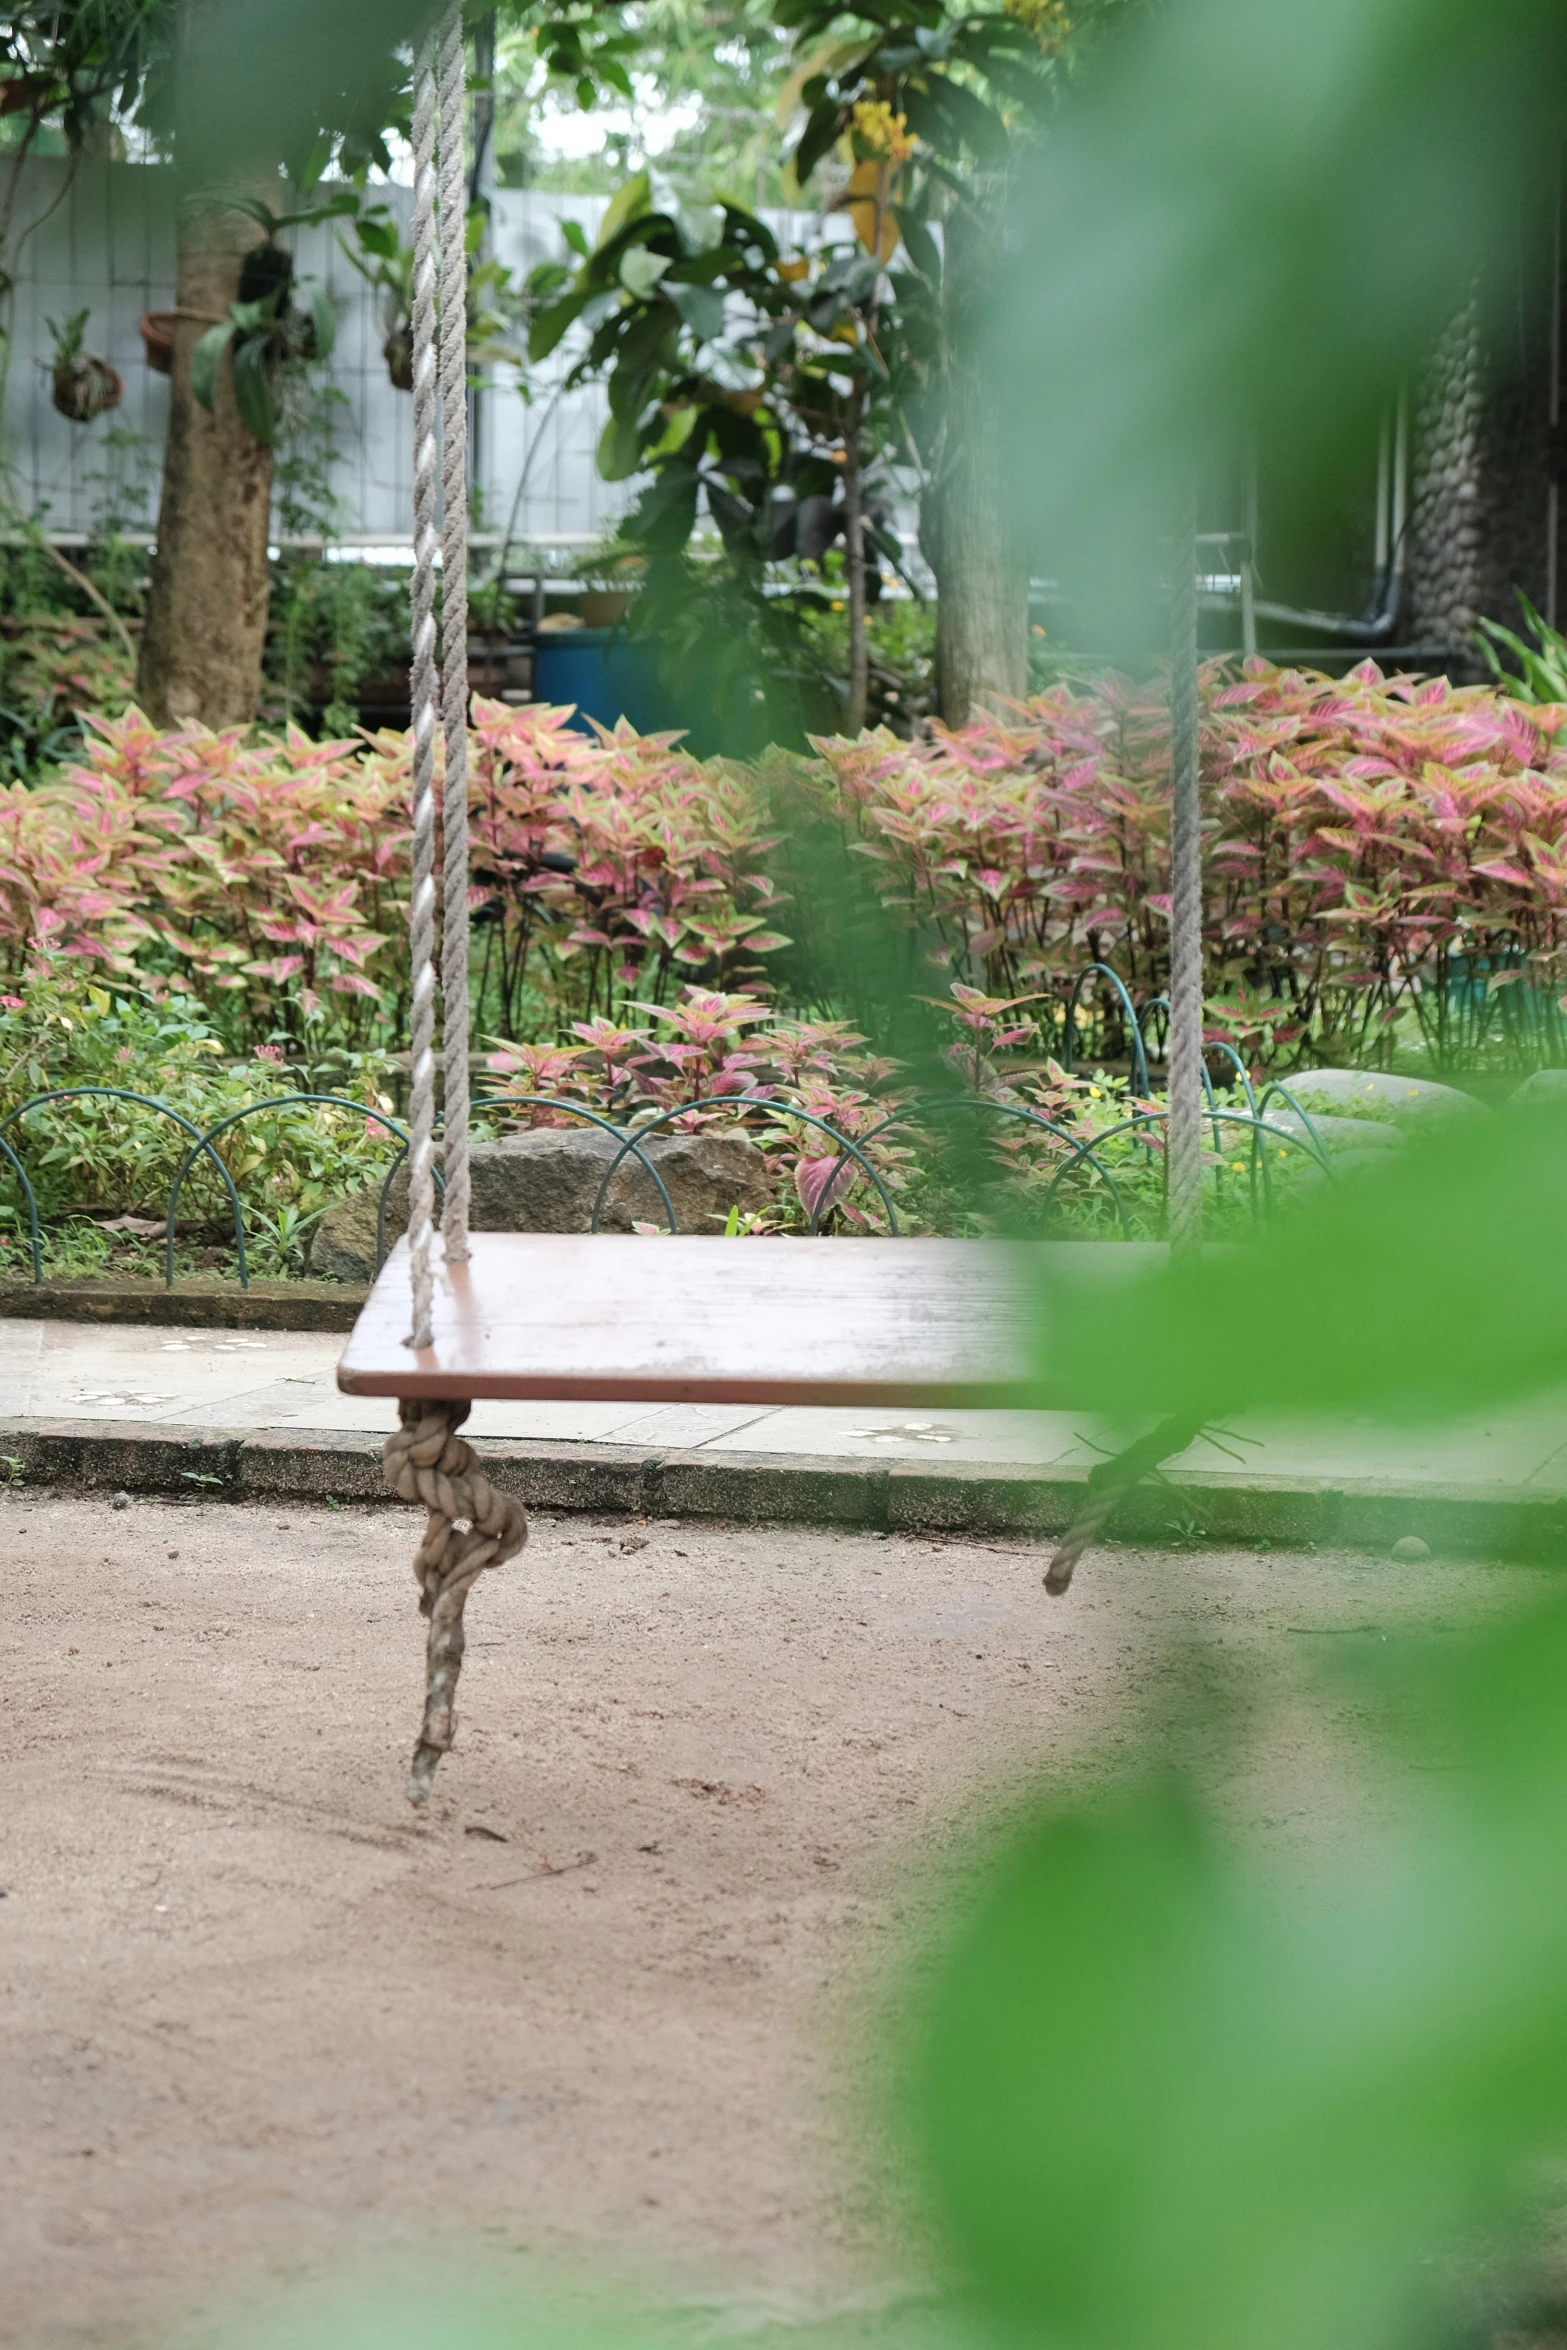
(600, 2003)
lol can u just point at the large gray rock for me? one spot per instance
(1337, 1135)
(548, 1181)
(1545, 1085)
(1413, 1101)
(342, 1246)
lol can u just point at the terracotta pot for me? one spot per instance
(85, 387)
(603, 607)
(157, 334)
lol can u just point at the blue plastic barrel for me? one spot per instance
(608, 676)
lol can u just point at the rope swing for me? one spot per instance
(470, 1526)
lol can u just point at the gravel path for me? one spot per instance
(257, 2015)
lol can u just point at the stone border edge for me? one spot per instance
(189, 1305)
(333, 1465)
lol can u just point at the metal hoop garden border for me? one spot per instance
(548, 1101)
(146, 1101)
(630, 1139)
(282, 1101)
(750, 1101)
(1259, 1127)
(1134, 1022)
(940, 1105)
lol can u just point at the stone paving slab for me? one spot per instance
(251, 1413)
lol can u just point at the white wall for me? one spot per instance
(105, 241)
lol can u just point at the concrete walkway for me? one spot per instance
(93, 1403)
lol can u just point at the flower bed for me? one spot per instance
(1377, 852)
(216, 917)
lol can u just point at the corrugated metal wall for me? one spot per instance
(103, 240)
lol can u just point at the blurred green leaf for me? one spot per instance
(619, 449)
(1434, 1288)
(1256, 215)
(205, 361)
(323, 318)
(1166, 2099)
(253, 388)
(626, 205)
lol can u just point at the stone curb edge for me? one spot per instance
(189, 1305)
(335, 1465)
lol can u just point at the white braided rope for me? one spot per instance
(453, 331)
(424, 689)
(1183, 1166)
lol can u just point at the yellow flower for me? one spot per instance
(1048, 19)
(880, 132)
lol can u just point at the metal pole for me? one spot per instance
(1183, 1150)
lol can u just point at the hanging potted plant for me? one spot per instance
(387, 266)
(266, 331)
(264, 337)
(157, 335)
(82, 387)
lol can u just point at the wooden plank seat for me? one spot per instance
(632, 1318)
(637, 1319)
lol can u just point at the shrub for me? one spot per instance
(608, 869)
(94, 1161)
(270, 876)
(1376, 851)
(1385, 865)
(1000, 1150)
(259, 876)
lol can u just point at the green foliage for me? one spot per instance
(262, 338)
(386, 264)
(333, 627)
(1166, 2096)
(1189, 263)
(1169, 2092)
(736, 379)
(67, 335)
(962, 81)
(733, 66)
(901, 645)
(1351, 1284)
(64, 647)
(1539, 673)
(94, 1160)
(75, 64)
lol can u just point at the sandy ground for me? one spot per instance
(600, 2002)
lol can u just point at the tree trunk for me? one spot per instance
(981, 573)
(207, 596)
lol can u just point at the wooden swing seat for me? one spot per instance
(628, 1318)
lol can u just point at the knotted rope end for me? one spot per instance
(469, 1527)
